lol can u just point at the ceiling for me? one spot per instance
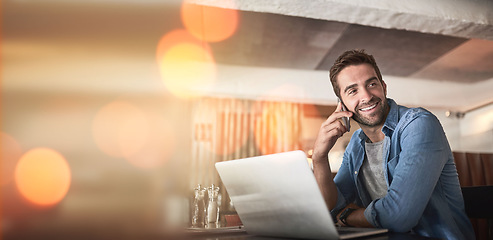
(45, 40)
(280, 41)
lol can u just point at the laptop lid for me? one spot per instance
(277, 195)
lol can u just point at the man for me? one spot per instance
(398, 170)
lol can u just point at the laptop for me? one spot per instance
(277, 195)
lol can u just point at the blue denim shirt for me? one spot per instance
(424, 195)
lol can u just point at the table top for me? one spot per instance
(238, 233)
(229, 233)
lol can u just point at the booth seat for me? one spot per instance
(476, 179)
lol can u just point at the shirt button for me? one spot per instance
(355, 172)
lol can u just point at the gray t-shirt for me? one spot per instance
(372, 170)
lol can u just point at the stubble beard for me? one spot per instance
(375, 119)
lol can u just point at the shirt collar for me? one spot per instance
(392, 118)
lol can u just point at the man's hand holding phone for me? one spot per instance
(332, 129)
(345, 120)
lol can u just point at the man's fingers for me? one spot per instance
(335, 128)
(331, 130)
(338, 107)
(337, 115)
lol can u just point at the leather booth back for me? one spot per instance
(476, 169)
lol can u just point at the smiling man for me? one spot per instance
(398, 170)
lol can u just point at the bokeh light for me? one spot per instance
(176, 37)
(11, 152)
(186, 69)
(210, 24)
(120, 129)
(159, 146)
(43, 176)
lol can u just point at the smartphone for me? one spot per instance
(345, 120)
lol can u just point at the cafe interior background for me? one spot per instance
(113, 110)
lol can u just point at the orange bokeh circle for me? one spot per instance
(187, 68)
(43, 176)
(210, 24)
(175, 37)
(120, 129)
(159, 147)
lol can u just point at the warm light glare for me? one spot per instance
(210, 24)
(11, 152)
(273, 119)
(43, 176)
(186, 68)
(282, 90)
(120, 129)
(267, 128)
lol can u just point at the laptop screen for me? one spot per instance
(277, 195)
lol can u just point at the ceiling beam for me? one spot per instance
(458, 18)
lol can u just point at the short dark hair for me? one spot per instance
(348, 58)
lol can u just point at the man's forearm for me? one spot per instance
(323, 175)
(357, 219)
(331, 130)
